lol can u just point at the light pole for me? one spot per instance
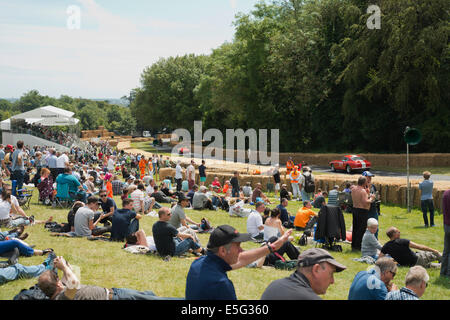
(412, 137)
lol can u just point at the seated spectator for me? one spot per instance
(284, 193)
(379, 279)
(165, 189)
(179, 218)
(273, 227)
(70, 225)
(218, 200)
(18, 271)
(84, 225)
(285, 217)
(108, 207)
(9, 204)
(416, 283)
(170, 242)
(257, 193)
(26, 178)
(348, 186)
(140, 203)
(319, 193)
(247, 190)
(125, 194)
(91, 190)
(255, 226)
(201, 201)
(45, 186)
(16, 233)
(117, 186)
(305, 217)
(227, 188)
(24, 250)
(160, 197)
(56, 289)
(75, 188)
(400, 250)
(125, 222)
(370, 245)
(190, 194)
(129, 182)
(320, 200)
(217, 184)
(312, 278)
(333, 196)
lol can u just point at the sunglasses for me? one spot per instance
(393, 273)
(103, 196)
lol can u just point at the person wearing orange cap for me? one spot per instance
(294, 177)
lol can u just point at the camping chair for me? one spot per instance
(62, 198)
(24, 197)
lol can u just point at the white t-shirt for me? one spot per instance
(149, 190)
(5, 209)
(190, 172)
(178, 172)
(110, 164)
(254, 221)
(61, 161)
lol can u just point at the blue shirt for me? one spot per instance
(284, 213)
(69, 179)
(402, 294)
(2, 155)
(207, 279)
(367, 286)
(426, 187)
(51, 162)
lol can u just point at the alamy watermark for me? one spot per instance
(374, 21)
(74, 17)
(257, 142)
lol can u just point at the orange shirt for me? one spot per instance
(302, 217)
(225, 188)
(289, 166)
(109, 189)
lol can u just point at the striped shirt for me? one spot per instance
(402, 294)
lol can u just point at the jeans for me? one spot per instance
(182, 246)
(5, 234)
(445, 267)
(179, 182)
(18, 222)
(235, 193)
(131, 294)
(295, 190)
(79, 195)
(305, 195)
(19, 271)
(19, 175)
(9, 245)
(427, 205)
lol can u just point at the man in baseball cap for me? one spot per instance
(207, 278)
(368, 174)
(313, 276)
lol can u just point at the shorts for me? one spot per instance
(277, 186)
(202, 179)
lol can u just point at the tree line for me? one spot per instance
(314, 70)
(91, 113)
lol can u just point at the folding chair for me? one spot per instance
(62, 197)
(24, 197)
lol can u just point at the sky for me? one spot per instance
(99, 48)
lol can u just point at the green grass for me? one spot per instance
(148, 147)
(106, 264)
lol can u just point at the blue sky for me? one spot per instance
(116, 40)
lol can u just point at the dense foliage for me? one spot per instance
(92, 113)
(315, 70)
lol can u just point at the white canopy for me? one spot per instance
(6, 125)
(47, 116)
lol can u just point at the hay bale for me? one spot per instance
(166, 172)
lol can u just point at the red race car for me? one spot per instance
(350, 163)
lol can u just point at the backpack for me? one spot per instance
(34, 293)
(303, 241)
(205, 224)
(285, 265)
(309, 184)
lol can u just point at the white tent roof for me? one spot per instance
(47, 116)
(6, 125)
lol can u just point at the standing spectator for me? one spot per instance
(190, 174)
(416, 282)
(276, 178)
(52, 163)
(361, 205)
(312, 278)
(294, 176)
(305, 183)
(202, 173)
(235, 185)
(62, 162)
(426, 198)
(2, 161)
(445, 267)
(371, 190)
(375, 283)
(18, 160)
(178, 176)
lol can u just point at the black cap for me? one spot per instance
(314, 256)
(225, 234)
(182, 197)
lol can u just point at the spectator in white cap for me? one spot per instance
(416, 282)
(370, 246)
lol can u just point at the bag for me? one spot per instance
(285, 265)
(309, 184)
(34, 293)
(303, 241)
(205, 224)
(7, 158)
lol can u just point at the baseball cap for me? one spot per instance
(314, 256)
(182, 197)
(10, 147)
(368, 174)
(225, 234)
